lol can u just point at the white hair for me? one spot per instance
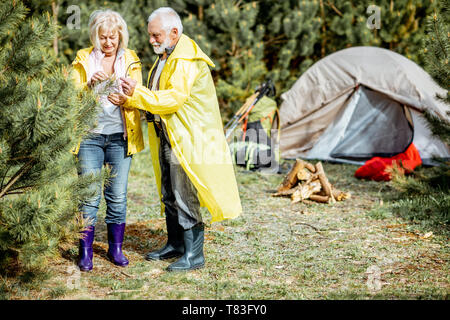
(107, 20)
(169, 19)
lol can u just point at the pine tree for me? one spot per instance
(427, 194)
(42, 117)
(437, 54)
(239, 37)
(296, 26)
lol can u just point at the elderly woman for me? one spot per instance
(117, 135)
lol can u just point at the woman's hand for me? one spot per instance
(117, 98)
(98, 76)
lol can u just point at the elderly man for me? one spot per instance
(191, 159)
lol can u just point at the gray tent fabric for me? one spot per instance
(373, 125)
(358, 103)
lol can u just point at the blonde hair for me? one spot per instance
(107, 20)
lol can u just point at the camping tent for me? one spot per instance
(359, 103)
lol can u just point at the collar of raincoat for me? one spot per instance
(83, 56)
(187, 49)
(100, 55)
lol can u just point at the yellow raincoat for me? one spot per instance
(188, 106)
(132, 116)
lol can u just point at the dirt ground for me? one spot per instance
(354, 249)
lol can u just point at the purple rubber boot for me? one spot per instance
(115, 240)
(85, 250)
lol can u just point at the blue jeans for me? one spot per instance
(98, 150)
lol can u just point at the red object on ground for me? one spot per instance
(375, 168)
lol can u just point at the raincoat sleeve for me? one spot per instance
(78, 75)
(173, 97)
(135, 74)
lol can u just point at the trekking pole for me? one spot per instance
(245, 106)
(240, 111)
(261, 91)
(266, 88)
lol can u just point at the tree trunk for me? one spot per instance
(55, 9)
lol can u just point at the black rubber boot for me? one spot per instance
(193, 250)
(174, 247)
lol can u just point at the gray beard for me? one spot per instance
(159, 50)
(162, 47)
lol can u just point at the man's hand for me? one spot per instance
(128, 86)
(117, 98)
(98, 76)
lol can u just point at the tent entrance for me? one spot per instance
(369, 125)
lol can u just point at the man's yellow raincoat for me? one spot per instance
(188, 106)
(132, 116)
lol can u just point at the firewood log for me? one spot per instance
(296, 196)
(285, 192)
(324, 181)
(291, 179)
(305, 191)
(311, 178)
(303, 174)
(317, 198)
(308, 165)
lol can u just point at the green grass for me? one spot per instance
(274, 250)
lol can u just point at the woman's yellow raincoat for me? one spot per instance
(188, 106)
(132, 116)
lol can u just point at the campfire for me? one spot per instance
(307, 182)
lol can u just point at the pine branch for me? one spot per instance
(439, 127)
(21, 188)
(335, 9)
(25, 168)
(107, 86)
(4, 177)
(437, 33)
(17, 192)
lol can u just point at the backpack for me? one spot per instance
(255, 145)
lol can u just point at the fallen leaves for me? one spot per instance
(406, 235)
(427, 235)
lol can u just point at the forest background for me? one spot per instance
(250, 41)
